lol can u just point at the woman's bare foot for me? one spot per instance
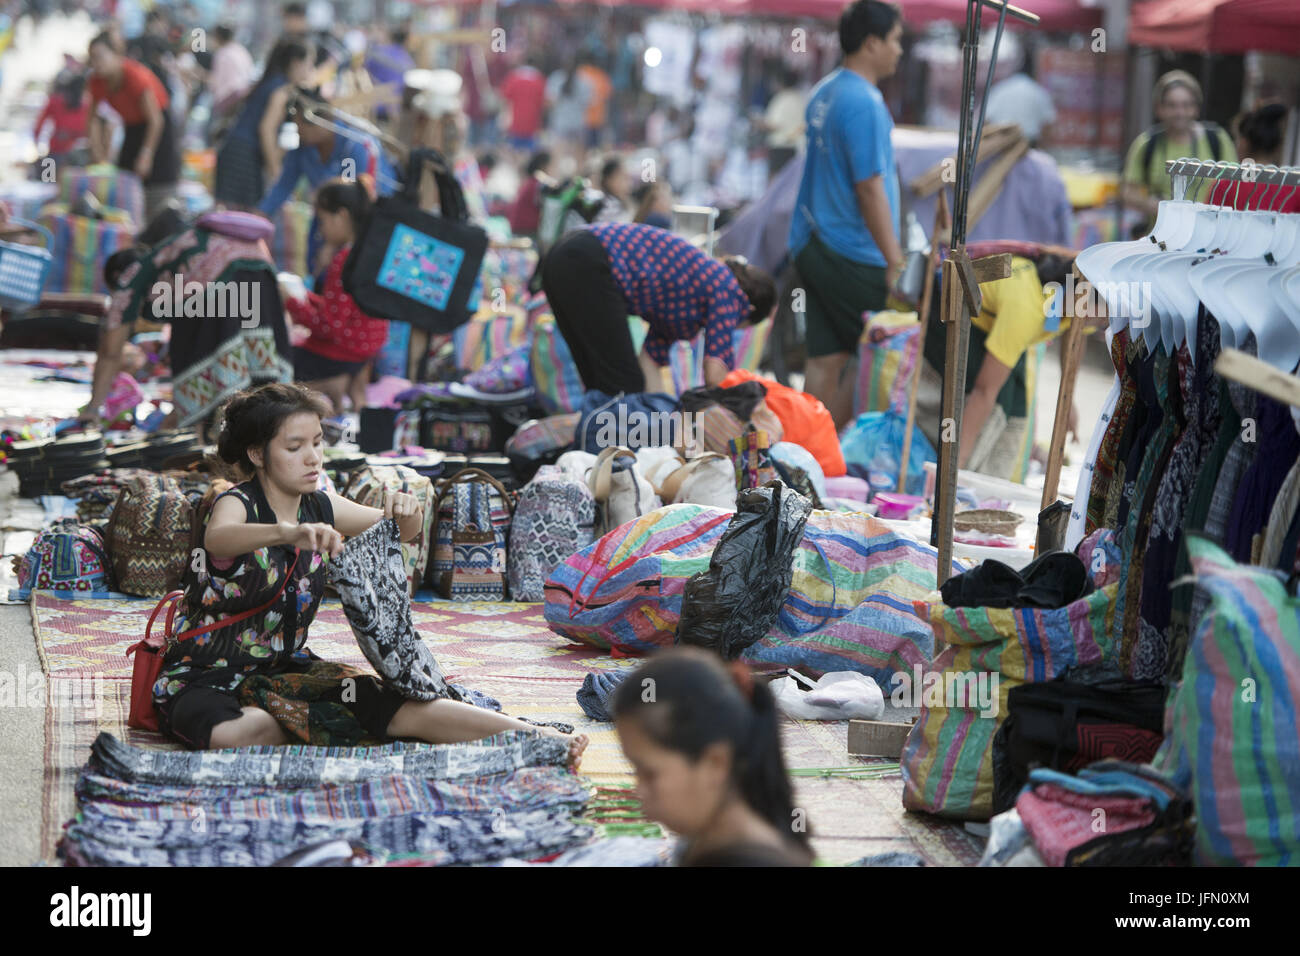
(577, 743)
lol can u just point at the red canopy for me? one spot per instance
(1217, 26)
(1055, 14)
(1059, 15)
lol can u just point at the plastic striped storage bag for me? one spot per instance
(113, 187)
(686, 359)
(289, 243)
(948, 758)
(887, 353)
(558, 386)
(850, 606)
(1234, 721)
(624, 592)
(489, 335)
(81, 246)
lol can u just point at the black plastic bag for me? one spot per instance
(740, 400)
(735, 602)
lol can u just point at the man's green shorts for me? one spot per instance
(837, 291)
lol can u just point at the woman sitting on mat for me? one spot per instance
(343, 338)
(704, 740)
(254, 682)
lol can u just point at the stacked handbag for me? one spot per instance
(368, 485)
(148, 534)
(42, 466)
(472, 520)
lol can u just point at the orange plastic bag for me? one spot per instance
(805, 420)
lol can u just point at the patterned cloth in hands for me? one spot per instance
(370, 577)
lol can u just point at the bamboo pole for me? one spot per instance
(1072, 348)
(931, 262)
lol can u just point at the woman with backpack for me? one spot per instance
(1178, 135)
(266, 548)
(704, 740)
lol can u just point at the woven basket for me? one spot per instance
(988, 521)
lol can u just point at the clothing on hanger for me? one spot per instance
(1262, 481)
(1140, 656)
(1200, 398)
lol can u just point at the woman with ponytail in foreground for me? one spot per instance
(704, 740)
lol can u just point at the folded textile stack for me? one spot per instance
(96, 492)
(503, 797)
(42, 466)
(1146, 820)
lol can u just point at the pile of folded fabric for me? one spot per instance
(1111, 813)
(43, 465)
(504, 797)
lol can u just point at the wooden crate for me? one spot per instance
(878, 738)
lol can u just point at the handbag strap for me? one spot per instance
(601, 479)
(451, 197)
(241, 616)
(673, 483)
(467, 475)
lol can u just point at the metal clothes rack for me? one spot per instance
(1187, 172)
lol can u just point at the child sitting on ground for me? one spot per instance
(704, 740)
(343, 339)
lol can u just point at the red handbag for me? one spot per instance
(148, 662)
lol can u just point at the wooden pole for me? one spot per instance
(1072, 352)
(957, 325)
(931, 262)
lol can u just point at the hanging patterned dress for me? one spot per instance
(1107, 462)
(1140, 660)
(263, 661)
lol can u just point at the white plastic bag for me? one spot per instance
(839, 695)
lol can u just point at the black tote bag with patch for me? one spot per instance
(412, 266)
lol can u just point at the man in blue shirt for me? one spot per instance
(321, 155)
(844, 235)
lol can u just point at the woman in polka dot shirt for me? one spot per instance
(343, 338)
(594, 278)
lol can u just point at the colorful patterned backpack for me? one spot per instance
(367, 486)
(555, 518)
(148, 535)
(471, 535)
(66, 557)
